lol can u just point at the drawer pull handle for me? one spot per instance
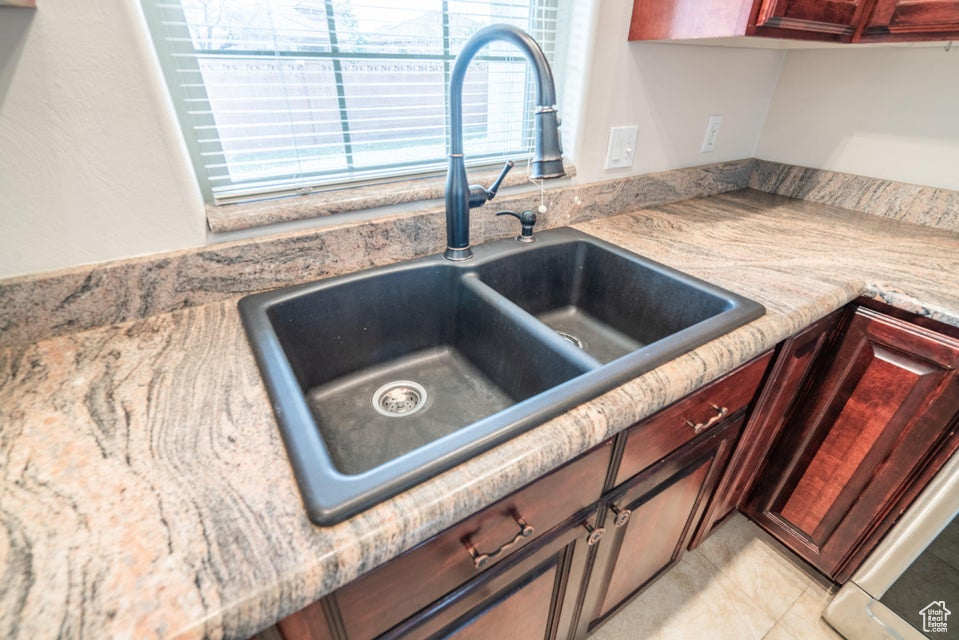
(481, 560)
(702, 426)
(595, 535)
(622, 515)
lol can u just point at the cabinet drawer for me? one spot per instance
(384, 597)
(659, 435)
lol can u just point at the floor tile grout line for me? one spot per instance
(739, 589)
(807, 580)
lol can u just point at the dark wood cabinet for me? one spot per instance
(311, 623)
(791, 371)
(532, 595)
(874, 423)
(386, 596)
(650, 519)
(458, 572)
(907, 20)
(845, 21)
(660, 435)
(688, 19)
(836, 20)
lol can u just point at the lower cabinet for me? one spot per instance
(790, 371)
(532, 595)
(650, 520)
(874, 421)
(467, 577)
(823, 446)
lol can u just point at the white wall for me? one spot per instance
(87, 169)
(670, 91)
(888, 113)
(91, 167)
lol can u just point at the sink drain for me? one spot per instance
(399, 398)
(570, 338)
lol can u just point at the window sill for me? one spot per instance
(247, 215)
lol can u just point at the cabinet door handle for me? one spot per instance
(481, 560)
(622, 515)
(699, 427)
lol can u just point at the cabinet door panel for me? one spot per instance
(886, 389)
(913, 20)
(384, 597)
(861, 442)
(675, 19)
(837, 19)
(666, 502)
(533, 594)
(790, 373)
(652, 547)
(524, 612)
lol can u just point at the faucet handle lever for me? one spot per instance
(480, 195)
(527, 219)
(493, 188)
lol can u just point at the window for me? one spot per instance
(288, 96)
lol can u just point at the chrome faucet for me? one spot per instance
(547, 159)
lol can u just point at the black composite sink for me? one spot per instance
(604, 301)
(384, 378)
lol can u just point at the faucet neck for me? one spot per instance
(547, 159)
(545, 88)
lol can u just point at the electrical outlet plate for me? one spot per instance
(622, 147)
(712, 132)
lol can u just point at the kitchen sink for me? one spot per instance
(384, 378)
(606, 302)
(393, 361)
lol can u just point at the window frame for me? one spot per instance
(382, 174)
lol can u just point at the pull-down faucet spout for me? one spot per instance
(547, 161)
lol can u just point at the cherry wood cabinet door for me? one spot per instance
(861, 442)
(836, 20)
(532, 595)
(649, 521)
(381, 599)
(791, 371)
(906, 20)
(678, 19)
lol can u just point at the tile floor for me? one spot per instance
(738, 585)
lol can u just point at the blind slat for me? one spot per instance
(273, 94)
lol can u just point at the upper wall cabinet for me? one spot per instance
(903, 20)
(823, 20)
(808, 19)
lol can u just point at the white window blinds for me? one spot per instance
(282, 96)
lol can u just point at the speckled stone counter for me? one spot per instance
(144, 490)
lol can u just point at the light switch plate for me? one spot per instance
(622, 147)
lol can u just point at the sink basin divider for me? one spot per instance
(538, 331)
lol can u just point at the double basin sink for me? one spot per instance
(384, 378)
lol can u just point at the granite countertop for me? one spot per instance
(145, 492)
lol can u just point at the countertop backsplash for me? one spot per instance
(48, 304)
(926, 206)
(57, 303)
